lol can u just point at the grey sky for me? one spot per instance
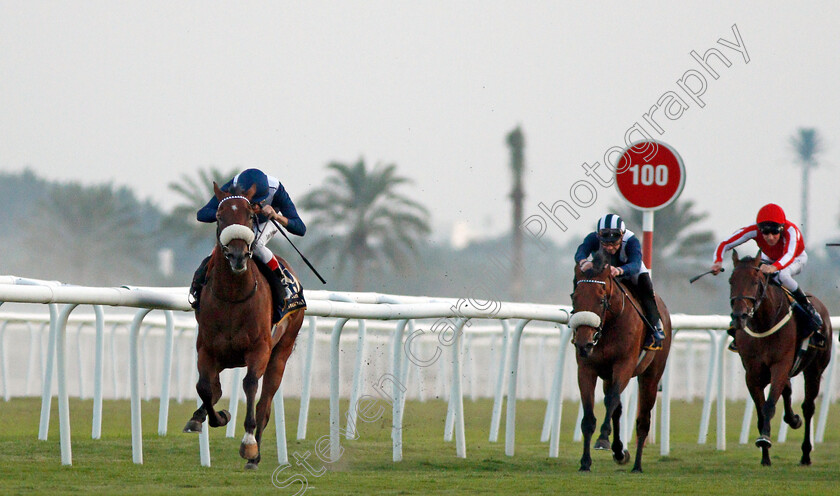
(139, 93)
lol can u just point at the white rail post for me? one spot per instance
(63, 400)
(166, 374)
(510, 421)
(749, 408)
(826, 399)
(665, 427)
(457, 390)
(307, 378)
(134, 377)
(46, 390)
(355, 391)
(280, 426)
(335, 422)
(495, 420)
(721, 394)
(714, 339)
(204, 441)
(233, 407)
(396, 407)
(556, 414)
(96, 425)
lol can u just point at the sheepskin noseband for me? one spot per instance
(236, 231)
(590, 319)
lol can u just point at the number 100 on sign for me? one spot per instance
(649, 175)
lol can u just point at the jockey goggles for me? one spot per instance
(770, 228)
(609, 236)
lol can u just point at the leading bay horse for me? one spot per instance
(766, 334)
(235, 328)
(608, 332)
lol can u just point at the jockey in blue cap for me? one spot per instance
(624, 253)
(274, 204)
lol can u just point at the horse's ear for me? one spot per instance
(734, 256)
(758, 258)
(218, 191)
(251, 191)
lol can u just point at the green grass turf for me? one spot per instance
(429, 466)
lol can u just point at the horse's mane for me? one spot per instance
(599, 261)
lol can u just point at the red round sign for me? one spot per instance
(649, 175)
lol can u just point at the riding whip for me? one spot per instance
(691, 281)
(279, 228)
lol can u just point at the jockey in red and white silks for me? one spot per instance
(783, 250)
(787, 254)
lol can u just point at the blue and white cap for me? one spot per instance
(610, 228)
(249, 177)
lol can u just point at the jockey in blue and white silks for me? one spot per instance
(624, 253)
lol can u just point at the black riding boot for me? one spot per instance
(817, 339)
(279, 294)
(731, 332)
(198, 282)
(654, 335)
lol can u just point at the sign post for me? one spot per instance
(649, 175)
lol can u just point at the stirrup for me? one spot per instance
(652, 344)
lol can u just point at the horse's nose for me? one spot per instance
(585, 350)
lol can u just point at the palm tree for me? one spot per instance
(103, 239)
(360, 218)
(516, 142)
(807, 144)
(196, 192)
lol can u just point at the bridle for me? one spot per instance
(605, 306)
(236, 231)
(756, 300)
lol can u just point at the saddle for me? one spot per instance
(286, 295)
(805, 325)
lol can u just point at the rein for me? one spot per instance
(757, 300)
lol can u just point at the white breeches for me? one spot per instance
(785, 275)
(264, 231)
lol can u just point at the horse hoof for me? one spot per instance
(636, 470)
(251, 466)
(583, 469)
(623, 458)
(795, 422)
(805, 462)
(225, 416)
(763, 442)
(602, 444)
(249, 451)
(192, 426)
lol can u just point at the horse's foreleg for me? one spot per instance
(790, 418)
(586, 383)
(812, 389)
(756, 390)
(209, 389)
(778, 381)
(249, 449)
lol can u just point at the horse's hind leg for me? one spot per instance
(647, 398)
(612, 400)
(812, 389)
(790, 418)
(271, 383)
